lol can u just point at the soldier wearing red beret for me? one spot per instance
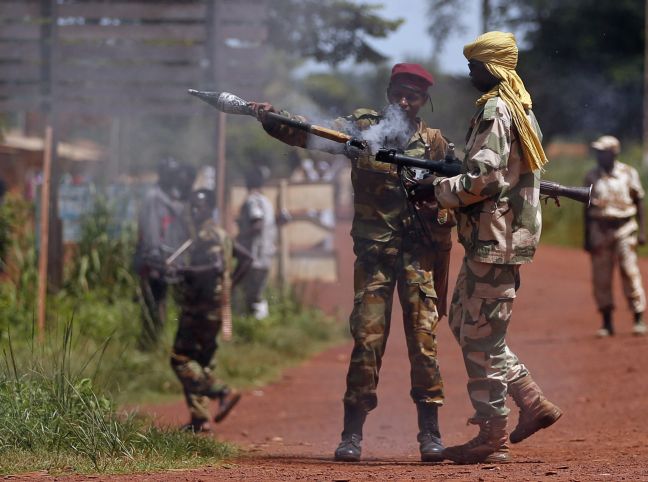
(396, 247)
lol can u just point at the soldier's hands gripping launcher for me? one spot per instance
(452, 167)
(232, 104)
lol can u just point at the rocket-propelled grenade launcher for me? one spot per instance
(452, 167)
(232, 104)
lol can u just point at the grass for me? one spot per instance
(53, 418)
(60, 400)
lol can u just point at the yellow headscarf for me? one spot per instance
(499, 53)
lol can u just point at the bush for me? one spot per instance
(52, 417)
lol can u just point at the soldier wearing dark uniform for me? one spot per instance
(160, 232)
(200, 295)
(394, 250)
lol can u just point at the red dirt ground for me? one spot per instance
(291, 427)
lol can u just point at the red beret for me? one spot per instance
(417, 76)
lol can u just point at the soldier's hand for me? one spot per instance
(423, 190)
(261, 109)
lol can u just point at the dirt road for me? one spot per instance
(292, 427)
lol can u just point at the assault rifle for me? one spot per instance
(451, 167)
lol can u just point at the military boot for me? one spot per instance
(228, 399)
(349, 449)
(196, 425)
(429, 437)
(536, 411)
(489, 446)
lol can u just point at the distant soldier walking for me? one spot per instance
(200, 294)
(614, 225)
(396, 248)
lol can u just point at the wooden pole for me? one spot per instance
(485, 16)
(221, 171)
(44, 231)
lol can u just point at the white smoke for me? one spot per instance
(392, 132)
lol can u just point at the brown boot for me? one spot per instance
(489, 446)
(536, 411)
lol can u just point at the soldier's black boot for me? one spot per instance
(349, 449)
(429, 437)
(607, 329)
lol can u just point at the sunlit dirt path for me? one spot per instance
(291, 427)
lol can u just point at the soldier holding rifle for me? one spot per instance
(393, 249)
(202, 295)
(497, 200)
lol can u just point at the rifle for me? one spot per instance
(451, 167)
(232, 104)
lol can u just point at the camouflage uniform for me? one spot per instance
(499, 222)
(612, 234)
(199, 296)
(393, 250)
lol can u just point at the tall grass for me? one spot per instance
(53, 418)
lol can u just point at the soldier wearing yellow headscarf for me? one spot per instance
(499, 221)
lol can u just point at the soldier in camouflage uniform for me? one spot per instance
(614, 225)
(200, 297)
(499, 221)
(393, 250)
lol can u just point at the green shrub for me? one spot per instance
(52, 417)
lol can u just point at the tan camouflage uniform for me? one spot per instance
(499, 222)
(392, 251)
(199, 297)
(612, 234)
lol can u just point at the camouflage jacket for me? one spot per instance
(614, 194)
(207, 269)
(382, 210)
(499, 216)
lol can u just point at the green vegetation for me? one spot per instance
(59, 399)
(53, 418)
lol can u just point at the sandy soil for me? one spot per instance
(290, 428)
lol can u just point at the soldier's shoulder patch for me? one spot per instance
(490, 108)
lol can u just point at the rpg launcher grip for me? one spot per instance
(451, 167)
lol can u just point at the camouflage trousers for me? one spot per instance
(193, 358)
(610, 246)
(380, 268)
(480, 313)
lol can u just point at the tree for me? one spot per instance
(582, 60)
(329, 32)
